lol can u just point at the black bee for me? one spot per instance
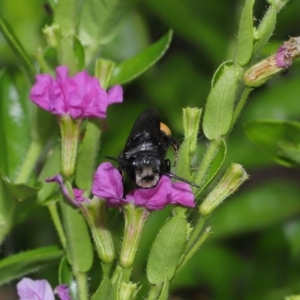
(143, 157)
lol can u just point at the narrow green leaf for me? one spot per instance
(95, 30)
(165, 290)
(104, 291)
(17, 48)
(280, 139)
(135, 66)
(14, 126)
(79, 247)
(7, 209)
(245, 34)
(20, 264)
(265, 28)
(85, 166)
(20, 190)
(64, 272)
(167, 250)
(220, 102)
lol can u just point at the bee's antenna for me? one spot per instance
(180, 178)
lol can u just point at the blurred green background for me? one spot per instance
(254, 252)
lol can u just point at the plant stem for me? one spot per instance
(29, 161)
(154, 292)
(209, 156)
(195, 233)
(52, 206)
(81, 280)
(241, 104)
(193, 249)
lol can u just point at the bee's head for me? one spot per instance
(147, 168)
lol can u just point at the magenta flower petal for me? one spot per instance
(29, 289)
(80, 96)
(155, 198)
(108, 185)
(78, 198)
(283, 58)
(62, 291)
(40, 92)
(182, 194)
(115, 94)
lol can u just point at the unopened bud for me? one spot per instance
(229, 183)
(191, 123)
(127, 291)
(103, 71)
(52, 34)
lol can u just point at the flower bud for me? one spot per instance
(294, 297)
(228, 184)
(191, 123)
(53, 35)
(127, 291)
(103, 71)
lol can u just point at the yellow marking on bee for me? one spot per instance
(165, 129)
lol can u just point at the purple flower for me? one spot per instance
(29, 289)
(78, 198)
(62, 291)
(108, 185)
(80, 96)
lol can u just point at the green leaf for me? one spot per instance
(85, 166)
(214, 169)
(271, 202)
(20, 264)
(14, 126)
(7, 209)
(17, 48)
(20, 190)
(167, 250)
(280, 139)
(135, 66)
(245, 34)
(165, 290)
(79, 247)
(66, 277)
(104, 291)
(219, 106)
(95, 30)
(265, 28)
